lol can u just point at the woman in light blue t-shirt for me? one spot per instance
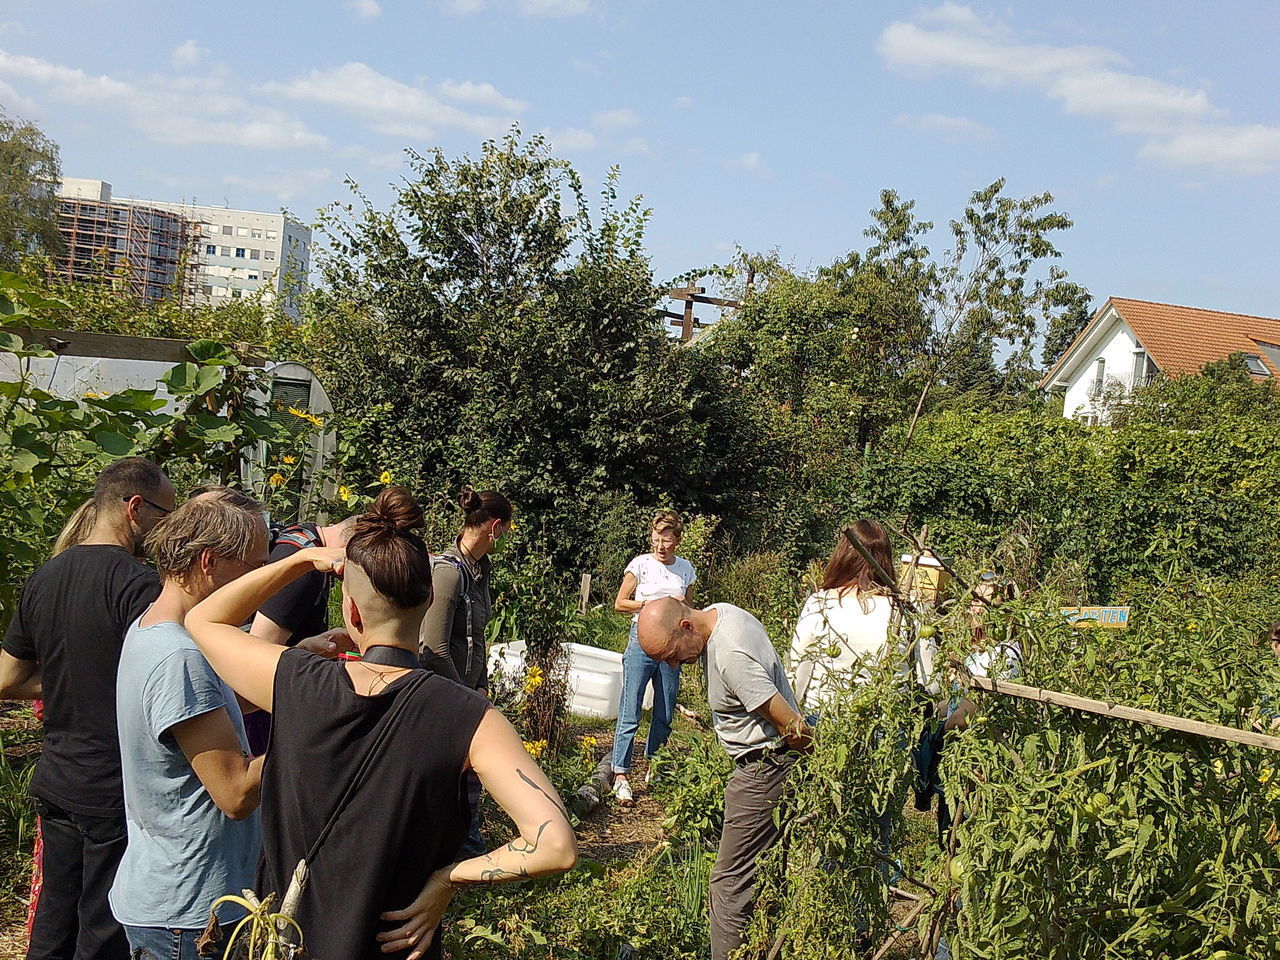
(649, 576)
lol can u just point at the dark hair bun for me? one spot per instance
(469, 500)
(395, 511)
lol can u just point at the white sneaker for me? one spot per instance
(622, 791)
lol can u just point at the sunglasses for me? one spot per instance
(164, 511)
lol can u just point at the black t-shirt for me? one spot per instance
(72, 617)
(303, 606)
(407, 819)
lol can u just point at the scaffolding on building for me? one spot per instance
(143, 251)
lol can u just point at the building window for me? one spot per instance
(240, 252)
(253, 276)
(1099, 375)
(1253, 363)
(207, 289)
(227, 231)
(226, 251)
(211, 249)
(255, 254)
(271, 235)
(269, 254)
(255, 234)
(242, 231)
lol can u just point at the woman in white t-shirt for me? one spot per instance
(649, 576)
(846, 623)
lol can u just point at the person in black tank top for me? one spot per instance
(385, 866)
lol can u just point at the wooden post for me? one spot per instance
(686, 326)
(584, 593)
(1118, 711)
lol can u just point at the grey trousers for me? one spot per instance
(753, 792)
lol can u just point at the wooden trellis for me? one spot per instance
(690, 294)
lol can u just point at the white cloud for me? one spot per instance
(615, 119)
(552, 8)
(948, 129)
(385, 104)
(376, 159)
(364, 9)
(638, 145)
(527, 8)
(571, 138)
(749, 162)
(285, 185)
(167, 109)
(683, 103)
(481, 94)
(187, 55)
(1176, 125)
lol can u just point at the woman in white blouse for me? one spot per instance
(659, 573)
(846, 623)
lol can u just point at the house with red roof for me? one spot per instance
(1129, 342)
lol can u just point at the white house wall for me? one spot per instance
(1116, 347)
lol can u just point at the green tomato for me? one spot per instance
(957, 868)
(927, 631)
(833, 651)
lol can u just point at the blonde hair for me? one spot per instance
(76, 530)
(667, 519)
(227, 526)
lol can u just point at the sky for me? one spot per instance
(766, 126)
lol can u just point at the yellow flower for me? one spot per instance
(386, 477)
(535, 747)
(344, 493)
(589, 743)
(290, 461)
(311, 418)
(93, 395)
(533, 679)
(276, 480)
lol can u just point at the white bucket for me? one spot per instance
(595, 676)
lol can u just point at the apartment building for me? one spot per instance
(238, 253)
(143, 250)
(228, 254)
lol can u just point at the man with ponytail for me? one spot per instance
(366, 779)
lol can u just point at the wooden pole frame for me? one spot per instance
(1118, 711)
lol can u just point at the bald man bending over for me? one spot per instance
(756, 720)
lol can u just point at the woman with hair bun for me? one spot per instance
(452, 638)
(649, 576)
(366, 776)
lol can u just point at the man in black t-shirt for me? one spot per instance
(301, 610)
(63, 645)
(299, 614)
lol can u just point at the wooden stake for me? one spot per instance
(1118, 711)
(584, 593)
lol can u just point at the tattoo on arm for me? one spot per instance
(556, 800)
(528, 847)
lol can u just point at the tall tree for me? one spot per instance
(29, 173)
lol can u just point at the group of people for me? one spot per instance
(762, 711)
(202, 735)
(152, 802)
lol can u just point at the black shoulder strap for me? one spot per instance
(388, 728)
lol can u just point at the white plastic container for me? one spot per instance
(595, 676)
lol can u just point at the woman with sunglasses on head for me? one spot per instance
(366, 778)
(659, 573)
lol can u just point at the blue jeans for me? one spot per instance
(638, 670)
(167, 943)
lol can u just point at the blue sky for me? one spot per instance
(766, 125)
